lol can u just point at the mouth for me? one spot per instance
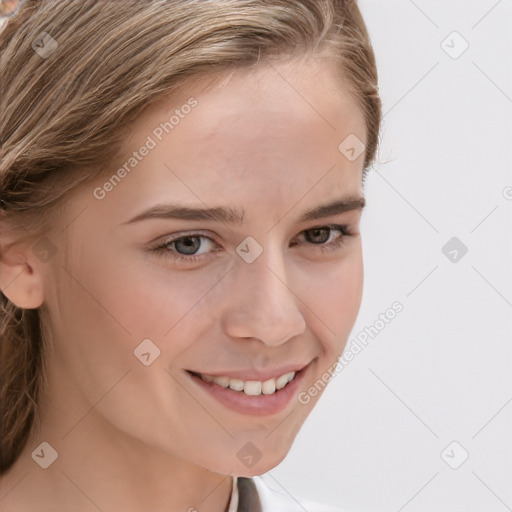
(249, 387)
(251, 396)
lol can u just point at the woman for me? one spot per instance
(181, 265)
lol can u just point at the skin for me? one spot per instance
(9, 7)
(132, 437)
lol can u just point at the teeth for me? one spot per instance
(221, 381)
(236, 384)
(252, 387)
(268, 387)
(282, 381)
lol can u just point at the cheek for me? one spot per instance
(151, 300)
(334, 297)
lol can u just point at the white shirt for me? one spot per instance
(256, 495)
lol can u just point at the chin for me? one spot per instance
(263, 466)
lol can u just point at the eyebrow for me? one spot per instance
(236, 217)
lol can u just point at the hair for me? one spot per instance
(64, 117)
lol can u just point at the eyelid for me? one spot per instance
(162, 240)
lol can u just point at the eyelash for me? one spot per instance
(163, 249)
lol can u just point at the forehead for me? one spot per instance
(269, 134)
(271, 100)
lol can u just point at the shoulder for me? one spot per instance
(274, 498)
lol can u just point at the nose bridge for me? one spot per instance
(263, 305)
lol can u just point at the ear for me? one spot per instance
(21, 269)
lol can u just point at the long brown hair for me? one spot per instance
(63, 115)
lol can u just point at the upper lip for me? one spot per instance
(252, 374)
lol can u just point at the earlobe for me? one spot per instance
(21, 279)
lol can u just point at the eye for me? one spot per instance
(184, 248)
(322, 237)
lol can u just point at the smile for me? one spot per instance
(264, 397)
(251, 387)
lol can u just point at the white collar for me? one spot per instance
(233, 502)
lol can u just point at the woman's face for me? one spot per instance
(142, 292)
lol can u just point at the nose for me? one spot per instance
(263, 304)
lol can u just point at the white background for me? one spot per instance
(441, 371)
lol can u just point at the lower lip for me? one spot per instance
(261, 405)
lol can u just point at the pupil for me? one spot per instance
(316, 233)
(191, 244)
